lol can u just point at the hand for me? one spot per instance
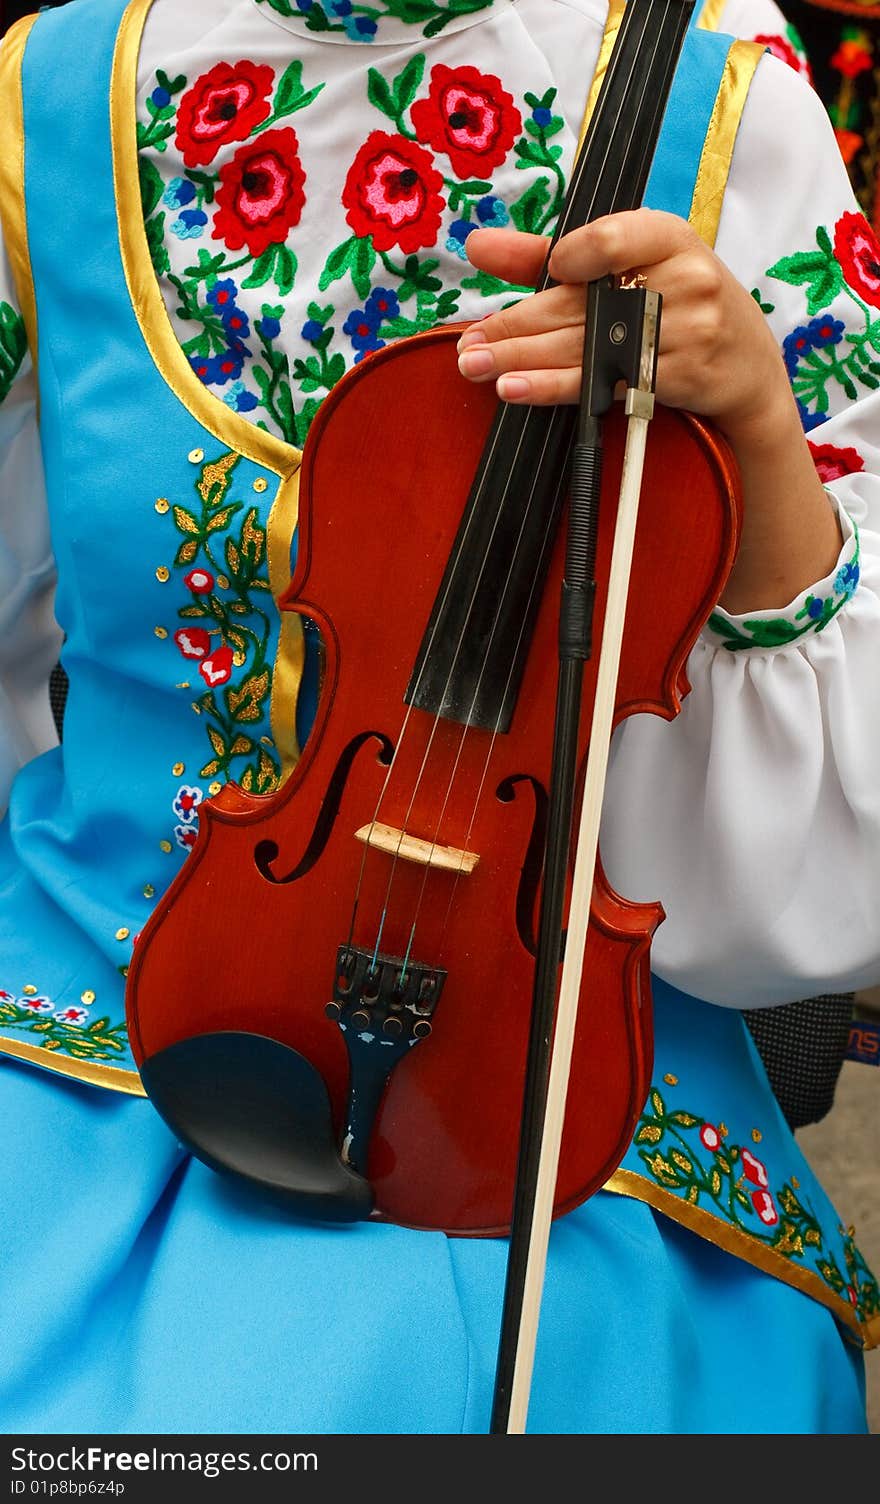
(718, 356)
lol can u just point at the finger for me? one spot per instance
(511, 255)
(637, 239)
(551, 351)
(540, 388)
(560, 308)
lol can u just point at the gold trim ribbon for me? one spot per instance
(231, 428)
(111, 1077)
(12, 208)
(714, 169)
(738, 1243)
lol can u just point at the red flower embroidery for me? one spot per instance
(392, 193)
(468, 116)
(199, 581)
(753, 1169)
(710, 1137)
(194, 642)
(261, 196)
(763, 1203)
(223, 105)
(832, 462)
(218, 668)
(858, 251)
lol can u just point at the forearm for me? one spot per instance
(790, 532)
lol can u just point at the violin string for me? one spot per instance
(438, 720)
(497, 730)
(513, 662)
(513, 460)
(512, 466)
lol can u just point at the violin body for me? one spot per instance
(405, 836)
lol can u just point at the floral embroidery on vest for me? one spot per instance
(13, 345)
(693, 1158)
(66, 1029)
(226, 635)
(361, 23)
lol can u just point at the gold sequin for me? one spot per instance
(162, 504)
(196, 707)
(165, 846)
(179, 769)
(214, 788)
(196, 456)
(122, 933)
(163, 573)
(124, 970)
(266, 740)
(260, 483)
(671, 1080)
(223, 581)
(796, 1185)
(160, 631)
(87, 997)
(723, 1129)
(29, 990)
(149, 890)
(239, 658)
(757, 1135)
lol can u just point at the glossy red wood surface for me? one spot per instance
(386, 473)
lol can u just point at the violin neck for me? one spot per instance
(474, 650)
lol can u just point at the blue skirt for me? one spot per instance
(140, 1293)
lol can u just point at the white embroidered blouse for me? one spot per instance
(755, 816)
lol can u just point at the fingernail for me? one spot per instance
(513, 388)
(476, 362)
(471, 337)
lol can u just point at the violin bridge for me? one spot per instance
(413, 849)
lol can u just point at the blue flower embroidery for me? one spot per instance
(809, 420)
(491, 211)
(189, 224)
(816, 335)
(459, 231)
(362, 325)
(216, 370)
(179, 193)
(846, 579)
(239, 398)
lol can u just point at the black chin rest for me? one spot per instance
(251, 1107)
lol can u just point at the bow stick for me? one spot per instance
(620, 343)
(644, 321)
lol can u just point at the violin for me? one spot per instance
(357, 1046)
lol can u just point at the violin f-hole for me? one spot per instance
(266, 852)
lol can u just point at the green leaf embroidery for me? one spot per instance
(13, 346)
